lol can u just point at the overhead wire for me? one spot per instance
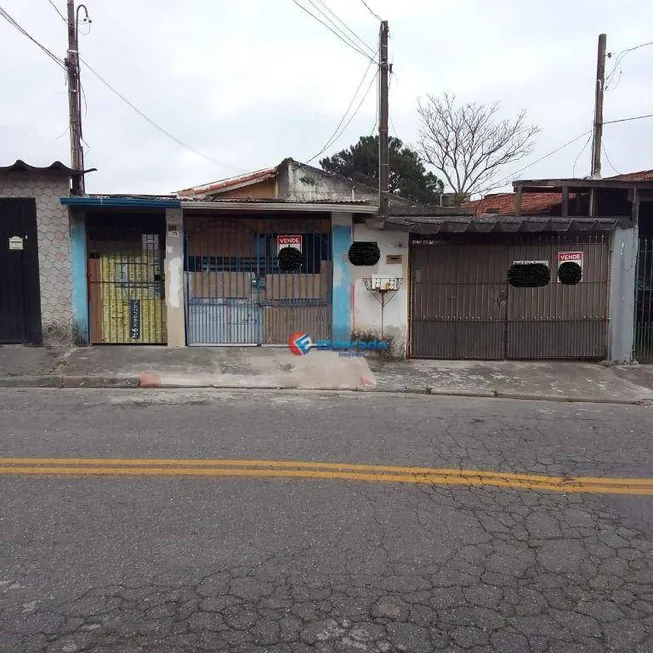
(54, 6)
(608, 159)
(339, 130)
(612, 122)
(546, 156)
(351, 31)
(348, 43)
(617, 64)
(573, 170)
(155, 125)
(60, 62)
(371, 11)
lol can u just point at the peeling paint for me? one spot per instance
(174, 282)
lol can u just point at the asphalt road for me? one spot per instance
(156, 561)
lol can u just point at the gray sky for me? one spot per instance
(251, 82)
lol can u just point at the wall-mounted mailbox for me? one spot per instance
(393, 259)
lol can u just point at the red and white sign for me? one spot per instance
(570, 257)
(289, 241)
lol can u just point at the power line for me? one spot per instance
(573, 170)
(571, 142)
(337, 132)
(17, 26)
(351, 31)
(370, 10)
(352, 43)
(619, 58)
(54, 6)
(546, 156)
(612, 122)
(347, 43)
(155, 125)
(608, 159)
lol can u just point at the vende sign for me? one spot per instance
(289, 241)
(570, 257)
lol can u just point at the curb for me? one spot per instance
(148, 380)
(32, 381)
(99, 382)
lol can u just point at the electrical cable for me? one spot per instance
(155, 125)
(546, 156)
(347, 43)
(351, 31)
(15, 24)
(338, 131)
(573, 170)
(370, 10)
(54, 6)
(612, 122)
(608, 159)
(619, 58)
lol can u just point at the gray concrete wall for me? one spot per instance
(623, 266)
(302, 183)
(53, 245)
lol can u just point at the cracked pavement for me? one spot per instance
(251, 565)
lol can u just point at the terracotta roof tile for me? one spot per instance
(642, 175)
(504, 203)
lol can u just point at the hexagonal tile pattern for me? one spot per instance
(54, 248)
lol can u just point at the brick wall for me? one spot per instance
(54, 247)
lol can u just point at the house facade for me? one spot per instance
(550, 271)
(35, 256)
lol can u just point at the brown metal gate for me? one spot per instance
(462, 306)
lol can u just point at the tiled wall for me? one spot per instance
(54, 248)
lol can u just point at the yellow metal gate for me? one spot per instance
(126, 285)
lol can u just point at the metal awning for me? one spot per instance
(500, 224)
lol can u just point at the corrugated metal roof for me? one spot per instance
(499, 224)
(20, 166)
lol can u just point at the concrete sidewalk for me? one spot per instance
(277, 368)
(160, 367)
(546, 380)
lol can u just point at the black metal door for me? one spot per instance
(20, 313)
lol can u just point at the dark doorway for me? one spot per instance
(20, 308)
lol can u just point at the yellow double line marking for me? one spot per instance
(77, 467)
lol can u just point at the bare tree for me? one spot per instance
(469, 143)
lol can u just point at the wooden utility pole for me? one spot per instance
(384, 115)
(598, 108)
(74, 101)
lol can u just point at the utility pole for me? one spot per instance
(74, 101)
(384, 114)
(598, 108)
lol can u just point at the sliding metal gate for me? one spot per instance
(462, 306)
(236, 292)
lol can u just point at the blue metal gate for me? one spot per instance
(238, 294)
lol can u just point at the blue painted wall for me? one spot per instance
(80, 279)
(341, 238)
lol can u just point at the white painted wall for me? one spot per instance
(366, 313)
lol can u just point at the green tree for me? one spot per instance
(408, 176)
